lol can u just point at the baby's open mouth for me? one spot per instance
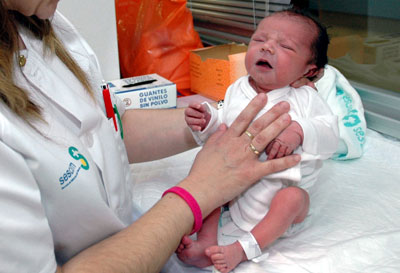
(264, 63)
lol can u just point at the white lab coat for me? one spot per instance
(68, 187)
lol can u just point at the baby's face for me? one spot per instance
(279, 52)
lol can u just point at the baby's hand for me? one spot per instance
(197, 117)
(286, 142)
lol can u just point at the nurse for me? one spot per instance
(65, 189)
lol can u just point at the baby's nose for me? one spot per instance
(268, 46)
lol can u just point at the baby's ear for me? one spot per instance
(312, 71)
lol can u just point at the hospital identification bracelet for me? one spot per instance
(192, 203)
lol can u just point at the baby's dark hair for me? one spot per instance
(319, 47)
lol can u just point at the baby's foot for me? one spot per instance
(193, 252)
(226, 258)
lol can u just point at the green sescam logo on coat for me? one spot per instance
(76, 155)
(72, 172)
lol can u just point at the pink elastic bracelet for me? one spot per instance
(192, 203)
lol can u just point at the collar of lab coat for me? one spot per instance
(82, 112)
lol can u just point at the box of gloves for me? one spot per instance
(145, 92)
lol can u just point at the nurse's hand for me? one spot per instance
(227, 165)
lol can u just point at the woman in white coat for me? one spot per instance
(65, 189)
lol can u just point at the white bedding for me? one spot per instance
(355, 225)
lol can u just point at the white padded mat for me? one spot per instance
(355, 225)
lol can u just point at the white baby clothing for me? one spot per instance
(320, 142)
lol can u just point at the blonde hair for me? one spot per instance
(13, 96)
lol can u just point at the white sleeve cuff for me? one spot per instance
(201, 136)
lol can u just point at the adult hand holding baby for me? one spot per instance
(230, 163)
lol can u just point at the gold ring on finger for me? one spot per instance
(254, 149)
(250, 135)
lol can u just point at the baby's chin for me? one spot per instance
(260, 87)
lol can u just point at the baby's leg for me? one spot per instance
(289, 206)
(193, 252)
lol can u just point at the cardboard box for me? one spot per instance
(144, 92)
(382, 48)
(213, 69)
(346, 45)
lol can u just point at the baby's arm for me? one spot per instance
(197, 116)
(286, 142)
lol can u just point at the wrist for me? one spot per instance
(179, 207)
(296, 128)
(199, 190)
(191, 202)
